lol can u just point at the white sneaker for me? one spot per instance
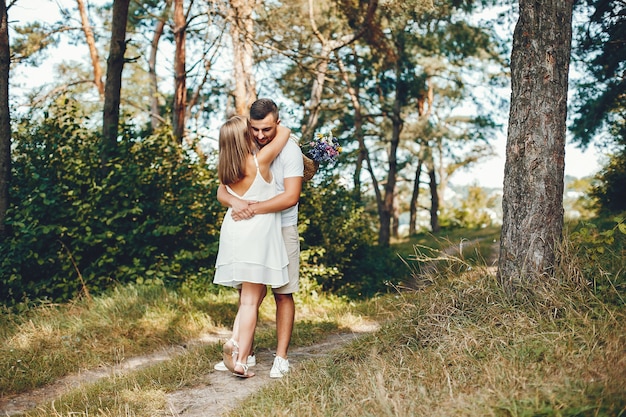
(280, 367)
(221, 367)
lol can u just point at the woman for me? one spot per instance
(251, 252)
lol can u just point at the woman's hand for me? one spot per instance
(242, 210)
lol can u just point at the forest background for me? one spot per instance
(414, 91)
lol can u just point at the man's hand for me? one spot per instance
(241, 209)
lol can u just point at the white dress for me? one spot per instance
(252, 250)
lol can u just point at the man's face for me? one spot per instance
(264, 130)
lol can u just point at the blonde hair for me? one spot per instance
(235, 144)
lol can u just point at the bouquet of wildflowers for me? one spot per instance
(323, 148)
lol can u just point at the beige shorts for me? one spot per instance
(292, 243)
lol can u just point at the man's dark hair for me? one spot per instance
(262, 107)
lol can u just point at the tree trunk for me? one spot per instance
(155, 115)
(5, 118)
(434, 200)
(395, 220)
(242, 33)
(424, 112)
(113, 86)
(390, 185)
(353, 91)
(93, 51)
(180, 76)
(414, 199)
(533, 175)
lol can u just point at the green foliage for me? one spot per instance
(600, 99)
(601, 256)
(150, 215)
(31, 40)
(610, 191)
(338, 248)
(475, 211)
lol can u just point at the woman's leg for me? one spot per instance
(249, 301)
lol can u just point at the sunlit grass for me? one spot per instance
(51, 341)
(456, 347)
(463, 348)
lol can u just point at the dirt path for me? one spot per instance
(219, 394)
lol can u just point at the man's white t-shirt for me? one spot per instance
(288, 164)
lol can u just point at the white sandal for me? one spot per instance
(230, 352)
(245, 373)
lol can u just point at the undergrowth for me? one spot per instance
(457, 345)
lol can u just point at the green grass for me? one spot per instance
(457, 347)
(446, 239)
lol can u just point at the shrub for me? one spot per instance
(149, 215)
(339, 249)
(610, 190)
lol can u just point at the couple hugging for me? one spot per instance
(260, 171)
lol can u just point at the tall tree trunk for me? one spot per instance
(414, 199)
(353, 91)
(390, 186)
(434, 199)
(533, 175)
(242, 33)
(155, 116)
(423, 112)
(5, 118)
(180, 73)
(395, 219)
(93, 51)
(113, 86)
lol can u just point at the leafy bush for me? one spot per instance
(598, 256)
(610, 191)
(339, 249)
(150, 214)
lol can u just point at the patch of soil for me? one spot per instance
(220, 393)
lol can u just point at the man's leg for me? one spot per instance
(285, 305)
(285, 316)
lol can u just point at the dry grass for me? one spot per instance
(457, 347)
(51, 341)
(462, 348)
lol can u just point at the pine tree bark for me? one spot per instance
(535, 151)
(93, 50)
(155, 116)
(180, 72)
(242, 33)
(414, 199)
(434, 200)
(113, 85)
(5, 118)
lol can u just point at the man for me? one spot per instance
(287, 170)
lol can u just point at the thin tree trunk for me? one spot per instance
(390, 186)
(113, 86)
(414, 199)
(180, 75)
(434, 200)
(535, 151)
(155, 116)
(395, 220)
(423, 113)
(93, 51)
(353, 91)
(242, 33)
(5, 118)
